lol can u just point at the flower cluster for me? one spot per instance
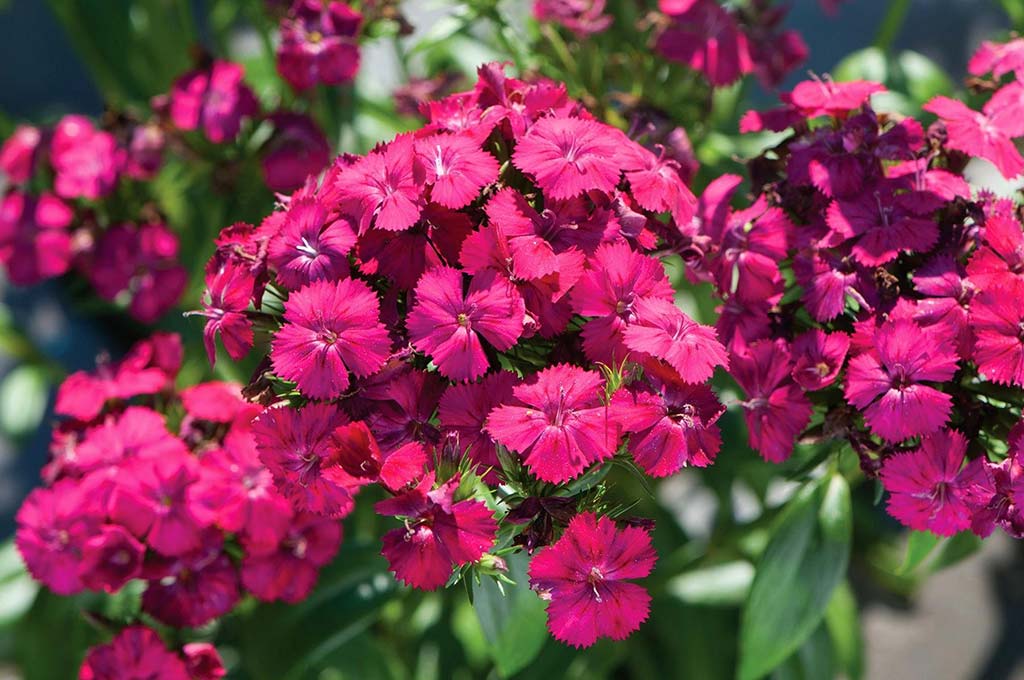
(191, 511)
(318, 44)
(468, 318)
(81, 196)
(138, 653)
(870, 296)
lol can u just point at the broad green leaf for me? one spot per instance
(804, 561)
(815, 660)
(721, 584)
(17, 589)
(23, 396)
(919, 546)
(843, 624)
(512, 617)
(922, 77)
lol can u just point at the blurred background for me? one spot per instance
(965, 622)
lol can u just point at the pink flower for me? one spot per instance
(150, 500)
(384, 187)
(616, 277)
(214, 401)
(145, 153)
(882, 224)
(997, 319)
(585, 578)
(456, 167)
(776, 410)
(398, 404)
(464, 410)
(663, 331)
(312, 245)
(824, 97)
(1000, 256)
(86, 160)
(657, 186)
(142, 260)
(673, 423)
(927, 486)
(439, 533)
(447, 325)
(570, 156)
(355, 449)
(136, 653)
(191, 590)
(228, 291)
(318, 44)
(111, 558)
(294, 444)
(297, 150)
(947, 297)
(751, 245)
(705, 37)
(34, 241)
(203, 661)
(558, 422)
(137, 432)
(887, 384)
(582, 17)
(331, 328)
(818, 357)
(19, 152)
(998, 59)
(215, 99)
(53, 526)
(977, 134)
(288, 571)
(827, 281)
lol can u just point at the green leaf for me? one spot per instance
(955, 549)
(843, 624)
(17, 589)
(512, 617)
(23, 396)
(722, 584)
(804, 561)
(919, 546)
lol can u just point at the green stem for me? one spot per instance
(892, 23)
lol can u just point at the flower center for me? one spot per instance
(306, 248)
(900, 376)
(463, 320)
(594, 578)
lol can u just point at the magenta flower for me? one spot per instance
(111, 558)
(19, 153)
(447, 326)
(191, 590)
(998, 59)
(825, 97)
(297, 150)
(86, 160)
(928, 489)
(818, 357)
(616, 277)
(828, 281)
(659, 187)
(294, 444)
(228, 291)
(585, 578)
(887, 384)
(203, 661)
(214, 99)
(331, 328)
(312, 245)
(355, 449)
(35, 244)
(976, 133)
(1000, 256)
(142, 261)
(384, 187)
(439, 534)
(569, 156)
(464, 410)
(150, 500)
(318, 44)
(145, 153)
(882, 224)
(947, 297)
(214, 401)
(558, 422)
(776, 410)
(582, 17)
(456, 167)
(53, 526)
(136, 653)
(673, 423)
(997, 319)
(135, 433)
(398, 404)
(751, 245)
(288, 571)
(663, 331)
(705, 37)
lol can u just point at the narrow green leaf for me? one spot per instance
(512, 618)
(843, 622)
(919, 546)
(955, 549)
(722, 584)
(23, 395)
(17, 589)
(804, 561)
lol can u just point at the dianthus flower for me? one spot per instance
(978, 133)
(664, 332)
(288, 571)
(228, 292)
(585, 576)
(582, 17)
(464, 409)
(705, 37)
(86, 160)
(297, 149)
(19, 152)
(997, 321)
(311, 245)
(35, 243)
(214, 99)
(191, 590)
(383, 187)
(318, 44)
(136, 653)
